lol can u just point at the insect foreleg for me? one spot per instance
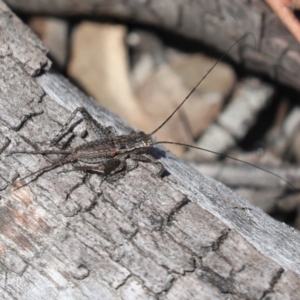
(148, 159)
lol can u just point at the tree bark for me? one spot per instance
(219, 24)
(184, 236)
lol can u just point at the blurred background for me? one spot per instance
(141, 65)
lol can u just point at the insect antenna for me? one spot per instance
(230, 157)
(207, 150)
(200, 81)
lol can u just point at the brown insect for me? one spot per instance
(107, 154)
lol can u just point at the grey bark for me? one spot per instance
(217, 23)
(184, 236)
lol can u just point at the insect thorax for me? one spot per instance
(136, 142)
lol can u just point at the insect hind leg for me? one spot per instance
(19, 183)
(106, 168)
(95, 129)
(112, 169)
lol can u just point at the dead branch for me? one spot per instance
(217, 23)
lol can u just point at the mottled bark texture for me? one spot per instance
(183, 236)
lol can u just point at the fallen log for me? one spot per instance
(183, 236)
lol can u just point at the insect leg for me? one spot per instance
(105, 168)
(112, 169)
(148, 159)
(95, 129)
(38, 173)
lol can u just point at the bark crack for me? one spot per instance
(273, 282)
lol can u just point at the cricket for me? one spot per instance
(106, 155)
